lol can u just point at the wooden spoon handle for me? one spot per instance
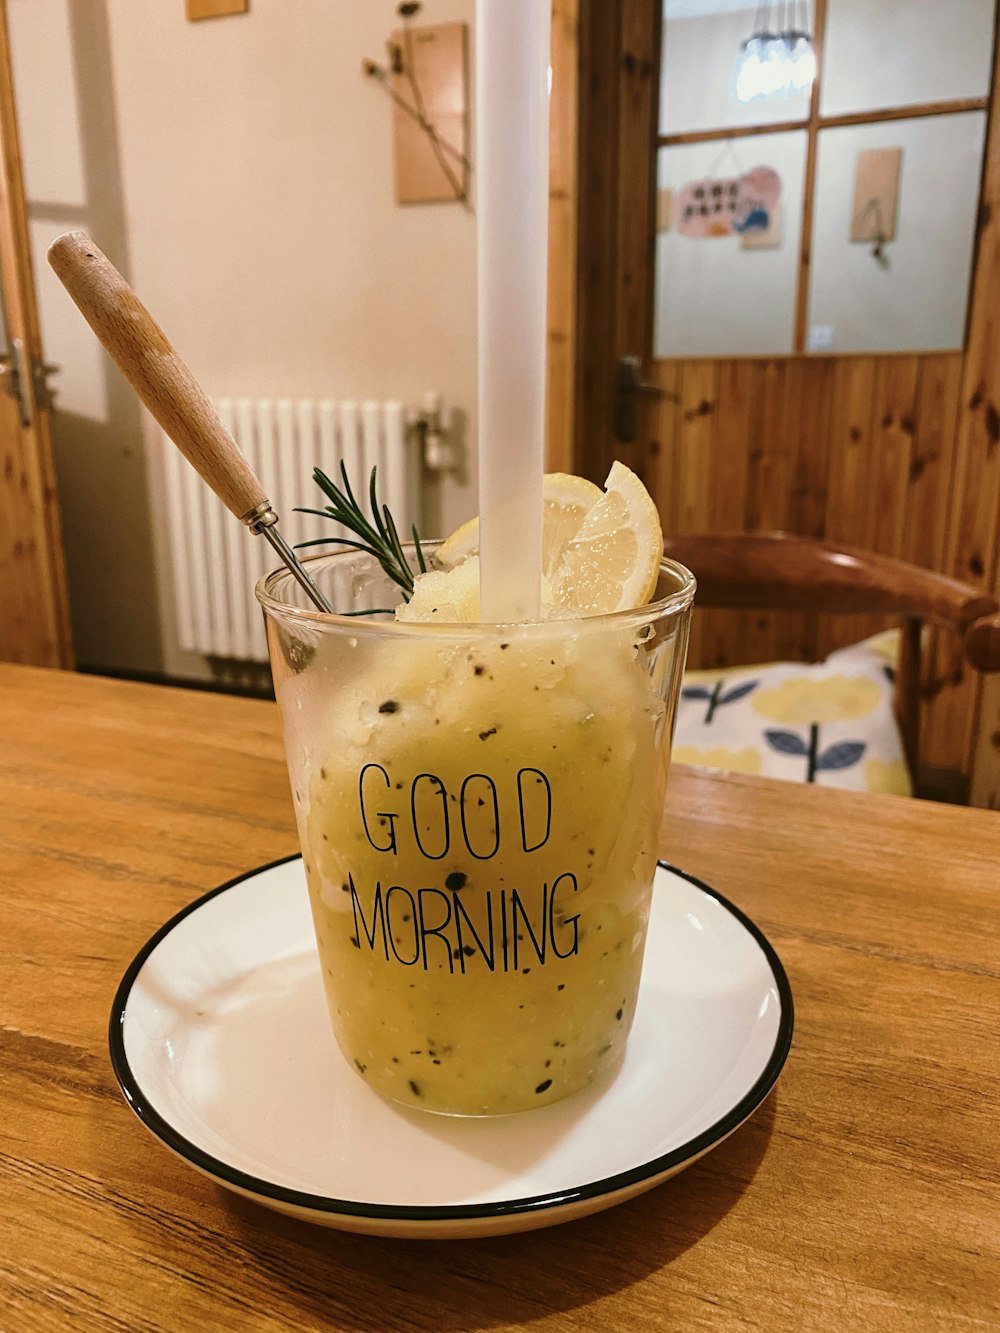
(143, 354)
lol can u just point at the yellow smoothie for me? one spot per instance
(480, 840)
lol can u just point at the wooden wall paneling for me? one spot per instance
(725, 632)
(737, 391)
(768, 472)
(807, 429)
(696, 471)
(661, 462)
(810, 446)
(894, 407)
(720, 632)
(697, 474)
(928, 483)
(768, 478)
(893, 427)
(563, 150)
(786, 629)
(850, 445)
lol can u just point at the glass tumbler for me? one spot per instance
(478, 807)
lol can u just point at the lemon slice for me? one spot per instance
(612, 561)
(566, 501)
(601, 552)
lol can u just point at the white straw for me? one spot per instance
(513, 40)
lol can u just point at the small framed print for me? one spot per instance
(769, 237)
(439, 54)
(876, 194)
(214, 9)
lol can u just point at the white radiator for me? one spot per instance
(217, 561)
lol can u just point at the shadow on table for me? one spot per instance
(360, 1282)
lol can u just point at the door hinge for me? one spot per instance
(18, 370)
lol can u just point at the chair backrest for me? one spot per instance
(776, 571)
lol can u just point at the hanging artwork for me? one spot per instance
(214, 9)
(728, 206)
(876, 194)
(427, 80)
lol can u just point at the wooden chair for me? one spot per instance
(775, 571)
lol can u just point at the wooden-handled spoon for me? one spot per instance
(143, 354)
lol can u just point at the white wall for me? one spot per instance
(239, 171)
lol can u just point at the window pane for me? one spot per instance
(899, 52)
(915, 297)
(701, 43)
(728, 295)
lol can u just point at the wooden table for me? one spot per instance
(862, 1195)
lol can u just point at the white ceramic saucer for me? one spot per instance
(221, 1043)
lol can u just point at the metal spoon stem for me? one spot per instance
(295, 566)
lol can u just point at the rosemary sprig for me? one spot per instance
(378, 535)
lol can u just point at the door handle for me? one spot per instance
(629, 388)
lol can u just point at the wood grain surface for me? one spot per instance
(863, 1195)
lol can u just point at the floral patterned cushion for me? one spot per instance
(830, 723)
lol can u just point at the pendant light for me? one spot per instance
(778, 59)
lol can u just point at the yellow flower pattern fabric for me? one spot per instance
(829, 723)
(803, 700)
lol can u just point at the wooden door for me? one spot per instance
(34, 616)
(896, 453)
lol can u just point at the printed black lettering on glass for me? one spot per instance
(382, 815)
(490, 844)
(443, 832)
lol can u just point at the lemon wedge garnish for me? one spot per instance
(566, 501)
(601, 552)
(612, 561)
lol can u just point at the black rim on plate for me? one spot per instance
(321, 1203)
